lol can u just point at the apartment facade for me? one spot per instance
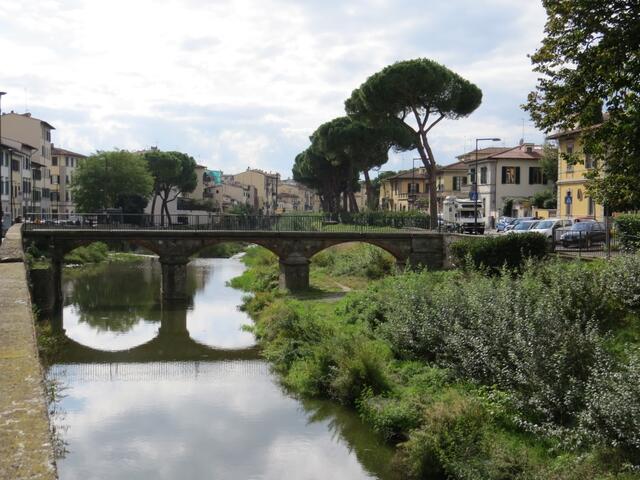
(452, 180)
(36, 133)
(506, 173)
(63, 166)
(266, 185)
(573, 201)
(405, 191)
(19, 181)
(295, 197)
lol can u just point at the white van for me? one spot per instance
(548, 226)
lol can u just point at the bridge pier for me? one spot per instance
(294, 272)
(56, 278)
(174, 278)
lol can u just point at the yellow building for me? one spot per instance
(573, 200)
(266, 185)
(405, 191)
(452, 180)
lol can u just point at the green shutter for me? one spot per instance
(504, 175)
(517, 175)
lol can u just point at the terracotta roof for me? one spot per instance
(454, 166)
(62, 151)
(511, 153)
(418, 174)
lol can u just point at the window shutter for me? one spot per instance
(530, 175)
(517, 175)
(504, 175)
(417, 188)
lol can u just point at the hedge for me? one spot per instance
(495, 252)
(628, 226)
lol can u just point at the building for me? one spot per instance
(295, 197)
(405, 191)
(63, 165)
(452, 180)
(266, 185)
(573, 200)
(506, 174)
(18, 174)
(231, 193)
(35, 133)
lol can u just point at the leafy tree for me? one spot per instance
(315, 171)
(173, 173)
(359, 147)
(549, 162)
(104, 178)
(589, 62)
(416, 94)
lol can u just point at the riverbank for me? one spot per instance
(467, 375)
(26, 450)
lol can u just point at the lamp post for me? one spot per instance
(475, 183)
(1, 160)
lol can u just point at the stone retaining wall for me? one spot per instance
(26, 451)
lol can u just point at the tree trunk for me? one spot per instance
(166, 209)
(368, 190)
(354, 202)
(153, 207)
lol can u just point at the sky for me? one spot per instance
(243, 83)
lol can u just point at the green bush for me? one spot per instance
(355, 260)
(496, 252)
(94, 253)
(622, 277)
(628, 226)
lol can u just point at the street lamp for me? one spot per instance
(1, 159)
(475, 183)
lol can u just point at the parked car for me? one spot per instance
(503, 222)
(549, 226)
(513, 224)
(523, 227)
(583, 234)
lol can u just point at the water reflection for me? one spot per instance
(174, 407)
(117, 306)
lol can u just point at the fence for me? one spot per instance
(225, 222)
(590, 239)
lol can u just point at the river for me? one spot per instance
(148, 391)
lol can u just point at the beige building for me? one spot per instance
(266, 185)
(295, 197)
(231, 193)
(20, 180)
(506, 173)
(63, 165)
(36, 133)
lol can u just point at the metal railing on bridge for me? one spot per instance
(353, 223)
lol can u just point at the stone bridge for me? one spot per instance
(294, 249)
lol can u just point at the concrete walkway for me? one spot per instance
(26, 451)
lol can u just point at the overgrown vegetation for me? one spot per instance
(629, 231)
(495, 253)
(531, 374)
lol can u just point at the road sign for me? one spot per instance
(568, 199)
(473, 195)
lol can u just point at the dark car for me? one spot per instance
(583, 234)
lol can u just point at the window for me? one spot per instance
(54, 161)
(569, 152)
(483, 175)
(55, 179)
(413, 188)
(589, 161)
(472, 175)
(536, 177)
(511, 175)
(592, 207)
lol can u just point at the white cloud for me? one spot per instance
(293, 64)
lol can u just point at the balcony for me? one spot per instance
(415, 196)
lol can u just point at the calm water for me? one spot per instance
(181, 393)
